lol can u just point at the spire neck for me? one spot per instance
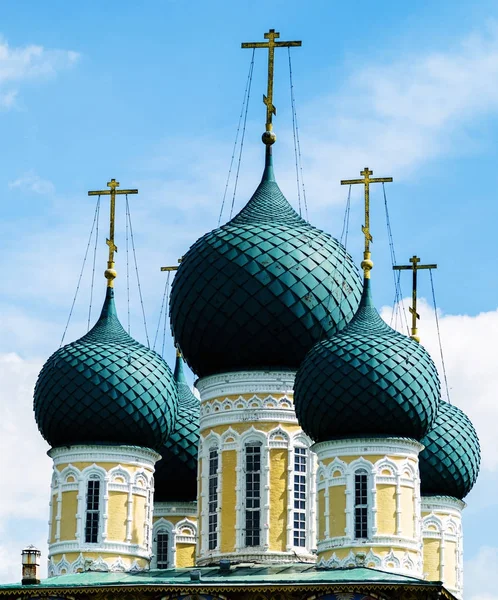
(268, 173)
(179, 374)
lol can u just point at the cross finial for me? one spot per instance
(415, 267)
(110, 273)
(367, 263)
(269, 136)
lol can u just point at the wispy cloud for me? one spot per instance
(29, 63)
(32, 182)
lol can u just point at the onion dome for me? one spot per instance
(449, 463)
(366, 380)
(105, 388)
(175, 477)
(259, 291)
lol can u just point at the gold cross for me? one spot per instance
(172, 268)
(367, 263)
(415, 267)
(110, 273)
(271, 44)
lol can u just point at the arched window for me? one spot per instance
(162, 549)
(361, 504)
(92, 517)
(253, 493)
(213, 499)
(300, 475)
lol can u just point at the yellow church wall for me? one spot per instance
(386, 509)
(53, 515)
(432, 549)
(278, 499)
(450, 564)
(117, 511)
(68, 515)
(337, 508)
(137, 533)
(407, 512)
(228, 500)
(321, 514)
(185, 555)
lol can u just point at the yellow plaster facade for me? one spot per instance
(179, 521)
(120, 479)
(231, 418)
(443, 541)
(388, 536)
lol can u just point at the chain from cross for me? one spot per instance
(415, 267)
(367, 264)
(110, 273)
(271, 44)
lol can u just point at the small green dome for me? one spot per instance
(366, 380)
(175, 477)
(105, 388)
(449, 463)
(259, 291)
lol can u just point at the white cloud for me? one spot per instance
(28, 63)
(24, 465)
(397, 116)
(32, 182)
(470, 358)
(478, 583)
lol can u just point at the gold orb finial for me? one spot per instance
(110, 275)
(367, 264)
(269, 138)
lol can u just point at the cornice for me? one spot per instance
(129, 455)
(175, 509)
(389, 446)
(245, 382)
(442, 503)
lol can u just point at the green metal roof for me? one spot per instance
(259, 291)
(450, 462)
(212, 578)
(175, 477)
(105, 388)
(366, 380)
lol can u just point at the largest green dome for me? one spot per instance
(259, 291)
(105, 388)
(366, 380)
(175, 477)
(449, 463)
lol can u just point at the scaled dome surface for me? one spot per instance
(449, 463)
(105, 388)
(175, 476)
(259, 291)
(366, 380)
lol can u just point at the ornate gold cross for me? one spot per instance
(271, 44)
(367, 263)
(415, 267)
(110, 272)
(175, 268)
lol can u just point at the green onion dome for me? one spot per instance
(449, 463)
(106, 388)
(175, 478)
(259, 291)
(367, 380)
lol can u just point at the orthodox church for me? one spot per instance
(320, 461)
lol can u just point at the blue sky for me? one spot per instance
(150, 93)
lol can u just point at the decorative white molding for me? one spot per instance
(404, 564)
(389, 446)
(257, 557)
(175, 509)
(128, 455)
(245, 382)
(257, 409)
(82, 564)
